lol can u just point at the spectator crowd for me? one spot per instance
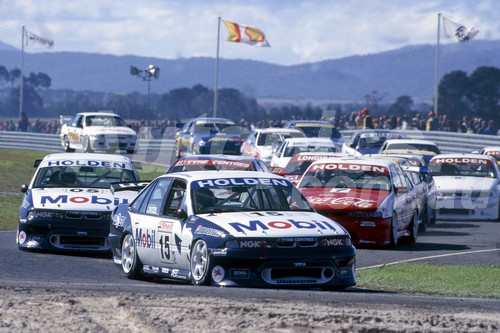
(356, 120)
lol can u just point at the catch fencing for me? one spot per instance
(163, 152)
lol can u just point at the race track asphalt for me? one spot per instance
(97, 272)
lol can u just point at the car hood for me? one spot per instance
(283, 224)
(344, 199)
(98, 130)
(219, 136)
(369, 150)
(465, 184)
(81, 199)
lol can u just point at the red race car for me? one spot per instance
(372, 199)
(299, 164)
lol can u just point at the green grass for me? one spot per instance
(447, 280)
(16, 168)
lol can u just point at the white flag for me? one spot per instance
(31, 38)
(458, 31)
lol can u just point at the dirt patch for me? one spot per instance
(37, 310)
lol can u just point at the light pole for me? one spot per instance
(146, 75)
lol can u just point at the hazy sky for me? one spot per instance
(298, 31)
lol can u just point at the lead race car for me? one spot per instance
(68, 202)
(231, 228)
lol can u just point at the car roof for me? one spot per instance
(221, 120)
(86, 157)
(294, 122)
(194, 176)
(492, 148)
(410, 141)
(363, 161)
(306, 141)
(277, 130)
(219, 157)
(108, 113)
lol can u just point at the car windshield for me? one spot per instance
(353, 179)
(320, 132)
(413, 146)
(268, 139)
(204, 165)
(462, 169)
(108, 121)
(319, 148)
(212, 128)
(299, 164)
(82, 176)
(372, 140)
(246, 194)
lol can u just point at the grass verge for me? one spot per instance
(9, 210)
(447, 280)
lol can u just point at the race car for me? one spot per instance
(217, 162)
(97, 131)
(492, 151)
(236, 228)
(209, 136)
(317, 129)
(369, 141)
(427, 149)
(260, 142)
(68, 203)
(466, 187)
(293, 146)
(299, 163)
(371, 198)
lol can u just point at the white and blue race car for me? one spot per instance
(232, 228)
(68, 203)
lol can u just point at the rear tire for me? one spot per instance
(131, 264)
(86, 145)
(413, 230)
(432, 216)
(425, 220)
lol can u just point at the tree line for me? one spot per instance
(477, 94)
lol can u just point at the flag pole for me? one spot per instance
(21, 87)
(436, 74)
(216, 88)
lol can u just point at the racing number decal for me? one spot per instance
(165, 247)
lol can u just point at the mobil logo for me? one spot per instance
(255, 225)
(94, 200)
(146, 238)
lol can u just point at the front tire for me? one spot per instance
(131, 264)
(66, 146)
(200, 264)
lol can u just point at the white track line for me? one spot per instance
(430, 257)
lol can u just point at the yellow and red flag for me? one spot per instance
(239, 33)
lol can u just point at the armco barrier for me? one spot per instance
(163, 151)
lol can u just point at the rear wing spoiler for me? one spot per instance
(416, 169)
(137, 186)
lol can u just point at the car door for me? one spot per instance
(410, 199)
(246, 147)
(400, 198)
(145, 223)
(74, 130)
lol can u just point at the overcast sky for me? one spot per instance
(298, 31)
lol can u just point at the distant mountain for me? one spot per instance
(405, 71)
(6, 47)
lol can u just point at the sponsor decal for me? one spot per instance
(340, 190)
(235, 164)
(492, 153)
(219, 252)
(42, 214)
(350, 167)
(276, 170)
(253, 244)
(145, 239)
(119, 220)
(25, 204)
(310, 157)
(255, 225)
(333, 242)
(224, 139)
(345, 201)
(165, 270)
(313, 125)
(106, 164)
(461, 160)
(152, 209)
(299, 264)
(94, 200)
(237, 273)
(280, 281)
(21, 237)
(200, 230)
(217, 274)
(165, 226)
(240, 181)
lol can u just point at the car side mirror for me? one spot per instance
(181, 214)
(24, 188)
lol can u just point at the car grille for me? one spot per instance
(80, 240)
(290, 244)
(279, 273)
(94, 216)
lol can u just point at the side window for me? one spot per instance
(152, 204)
(249, 140)
(191, 128)
(175, 198)
(136, 204)
(79, 121)
(280, 149)
(396, 178)
(74, 121)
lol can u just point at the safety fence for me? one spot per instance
(163, 151)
